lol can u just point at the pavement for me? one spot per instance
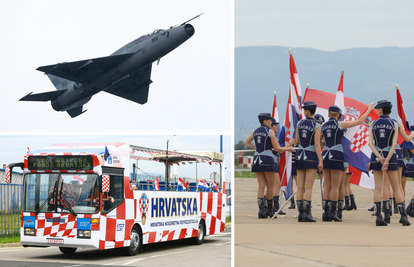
(285, 242)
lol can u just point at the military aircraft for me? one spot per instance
(125, 73)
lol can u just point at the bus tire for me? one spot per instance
(136, 242)
(67, 250)
(198, 240)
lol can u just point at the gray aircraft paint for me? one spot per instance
(125, 73)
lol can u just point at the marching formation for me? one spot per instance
(309, 145)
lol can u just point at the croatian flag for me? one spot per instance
(215, 186)
(275, 114)
(288, 129)
(355, 141)
(403, 121)
(339, 99)
(203, 185)
(157, 184)
(181, 184)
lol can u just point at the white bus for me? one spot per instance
(81, 195)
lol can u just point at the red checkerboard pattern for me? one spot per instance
(105, 183)
(7, 175)
(213, 211)
(67, 196)
(360, 139)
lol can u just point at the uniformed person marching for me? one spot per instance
(264, 162)
(333, 159)
(383, 141)
(308, 160)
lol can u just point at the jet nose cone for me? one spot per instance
(189, 29)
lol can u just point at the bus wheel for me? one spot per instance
(135, 244)
(67, 250)
(201, 231)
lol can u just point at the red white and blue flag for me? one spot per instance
(215, 186)
(203, 185)
(339, 99)
(182, 184)
(288, 129)
(275, 114)
(355, 141)
(403, 120)
(157, 184)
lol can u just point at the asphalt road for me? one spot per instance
(216, 250)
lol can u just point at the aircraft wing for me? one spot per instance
(84, 70)
(46, 96)
(134, 87)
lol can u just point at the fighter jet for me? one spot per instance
(125, 73)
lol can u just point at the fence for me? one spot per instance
(10, 209)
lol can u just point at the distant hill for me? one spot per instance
(370, 75)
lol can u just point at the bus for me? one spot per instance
(84, 196)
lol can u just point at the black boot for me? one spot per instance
(332, 213)
(307, 215)
(410, 208)
(347, 206)
(372, 208)
(276, 205)
(379, 221)
(390, 206)
(387, 211)
(325, 214)
(353, 204)
(404, 219)
(340, 208)
(269, 211)
(292, 203)
(261, 202)
(395, 205)
(299, 203)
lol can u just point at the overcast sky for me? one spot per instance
(325, 25)
(191, 89)
(14, 147)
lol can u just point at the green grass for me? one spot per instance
(13, 239)
(228, 220)
(244, 174)
(9, 225)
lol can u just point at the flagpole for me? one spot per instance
(284, 204)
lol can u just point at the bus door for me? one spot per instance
(113, 218)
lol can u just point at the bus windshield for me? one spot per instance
(61, 192)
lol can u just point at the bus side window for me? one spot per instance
(115, 196)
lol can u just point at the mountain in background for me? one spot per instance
(370, 75)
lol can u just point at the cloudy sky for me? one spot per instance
(14, 147)
(325, 25)
(191, 89)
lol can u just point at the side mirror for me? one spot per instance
(105, 183)
(9, 171)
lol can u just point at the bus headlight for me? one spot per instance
(29, 231)
(84, 234)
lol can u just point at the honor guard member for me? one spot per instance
(333, 158)
(276, 186)
(401, 165)
(408, 171)
(264, 162)
(308, 160)
(383, 141)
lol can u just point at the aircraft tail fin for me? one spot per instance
(58, 82)
(75, 111)
(46, 96)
